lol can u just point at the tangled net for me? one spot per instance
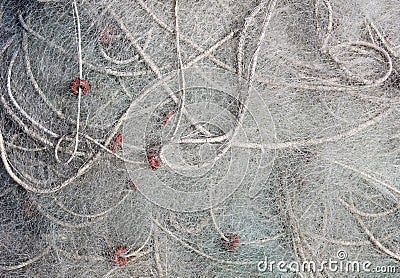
(195, 139)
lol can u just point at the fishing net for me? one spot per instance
(199, 138)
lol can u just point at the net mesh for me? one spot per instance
(198, 138)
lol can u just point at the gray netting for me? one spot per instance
(198, 138)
